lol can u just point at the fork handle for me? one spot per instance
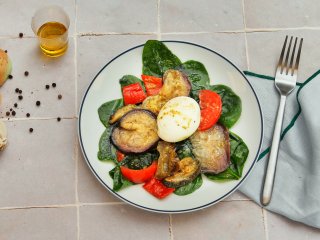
(272, 163)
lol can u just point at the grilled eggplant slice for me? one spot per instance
(186, 171)
(167, 159)
(154, 103)
(212, 148)
(136, 131)
(120, 112)
(175, 84)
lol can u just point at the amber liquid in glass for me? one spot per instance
(53, 38)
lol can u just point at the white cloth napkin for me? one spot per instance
(296, 192)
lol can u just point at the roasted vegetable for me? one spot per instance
(136, 132)
(167, 159)
(212, 148)
(133, 94)
(141, 175)
(238, 155)
(152, 84)
(211, 105)
(154, 103)
(157, 188)
(186, 171)
(175, 84)
(120, 112)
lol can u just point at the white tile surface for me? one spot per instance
(38, 224)
(200, 16)
(226, 220)
(282, 228)
(16, 15)
(26, 56)
(38, 168)
(229, 45)
(123, 16)
(122, 221)
(277, 14)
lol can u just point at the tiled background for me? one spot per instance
(46, 189)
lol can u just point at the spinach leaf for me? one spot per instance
(130, 79)
(198, 76)
(238, 155)
(239, 152)
(107, 152)
(119, 181)
(157, 58)
(184, 149)
(139, 161)
(231, 105)
(190, 187)
(107, 109)
(228, 174)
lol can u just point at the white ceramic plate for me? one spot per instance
(105, 87)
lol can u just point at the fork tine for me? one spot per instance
(285, 65)
(282, 54)
(292, 56)
(298, 57)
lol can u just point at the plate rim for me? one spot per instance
(170, 211)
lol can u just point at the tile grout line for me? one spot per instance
(158, 21)
(170, 227)
(5, 119)
(248, 30)
(265, 223)
(76, 110)
(44, 206)
(245, 35)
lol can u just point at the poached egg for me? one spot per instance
(178, 119)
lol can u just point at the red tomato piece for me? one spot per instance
(133, 94)
(141, 175)
(152, 84)
(120, 156)
(157, 188)
(211, 108)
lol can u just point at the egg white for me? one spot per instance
(178, 119)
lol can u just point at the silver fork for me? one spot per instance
(285, 82)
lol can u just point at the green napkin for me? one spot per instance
(296, 192)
